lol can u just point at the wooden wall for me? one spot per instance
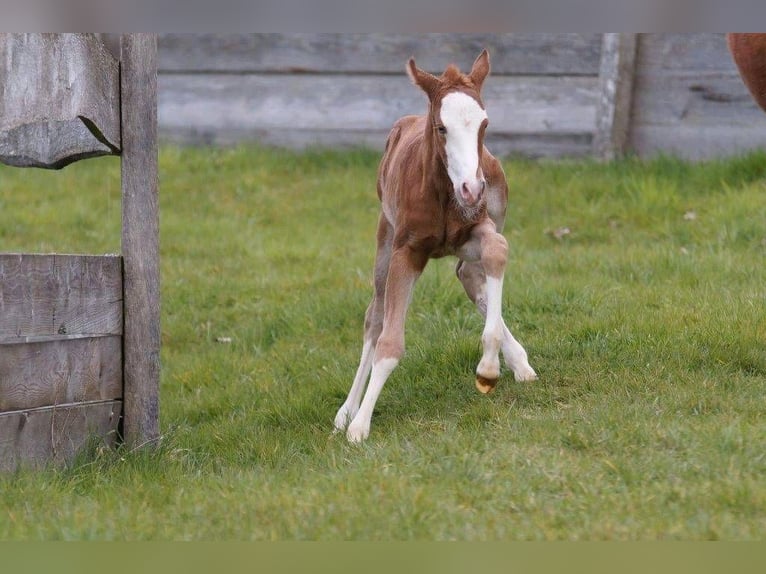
(60, 355)
(689, 100)
(346, 89)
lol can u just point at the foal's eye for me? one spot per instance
(441, 129)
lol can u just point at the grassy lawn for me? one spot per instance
(646, 323)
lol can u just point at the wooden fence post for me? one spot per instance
(140, 239)
(618, 60)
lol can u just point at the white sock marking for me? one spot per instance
(350, 407)
(359, 429)
(489, 366)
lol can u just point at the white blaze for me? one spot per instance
(462, 116)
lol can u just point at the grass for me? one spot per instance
(645, 323)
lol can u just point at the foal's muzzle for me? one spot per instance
(471, 193)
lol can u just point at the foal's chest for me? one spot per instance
(437, 236)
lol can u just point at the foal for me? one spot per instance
(442, 193)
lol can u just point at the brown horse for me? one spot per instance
(749, 53)
(442, 193)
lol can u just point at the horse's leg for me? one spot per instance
(373, 324)
(473, 278)
(404, 269)
(483, 282)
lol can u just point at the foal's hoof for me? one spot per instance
(485, 385)
(525, 375)
(357, 433)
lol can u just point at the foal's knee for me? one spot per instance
(494, 254)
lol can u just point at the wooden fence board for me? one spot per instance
(516, 54)
(703, 100)
(37, 437)
(696, 117)
(695, 143)
(295, 109)
(688, 54)
(55, 372)
(547, 145)
(55, 295)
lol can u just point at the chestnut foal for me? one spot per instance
(442, 193)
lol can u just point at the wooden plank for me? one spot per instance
(140, 239)
(278, 109)
(59, 295)
(689, 54)
(618, 57)
(702, 100)
(55, 372)
(59, 100)
(695, 142)
(511, 54)
(546, 145)
(537, 146)
(54, 435)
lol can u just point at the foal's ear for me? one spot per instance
(480, 69)
(427, 82)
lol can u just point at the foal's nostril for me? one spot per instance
(465, 190)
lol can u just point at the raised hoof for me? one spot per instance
(485, 385)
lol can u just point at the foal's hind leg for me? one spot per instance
(373, 325)
(474, 280)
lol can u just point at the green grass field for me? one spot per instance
(646, 324)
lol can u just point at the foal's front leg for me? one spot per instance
(404, 269)
(474, 280)
(493, 254)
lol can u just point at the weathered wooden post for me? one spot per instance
(80, 334)
(140, 238)
(618, 58)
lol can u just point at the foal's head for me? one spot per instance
(456, 124)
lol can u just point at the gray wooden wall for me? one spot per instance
(60, 355)
(689, 100)
(542, 98)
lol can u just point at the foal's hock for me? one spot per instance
(441, 193)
